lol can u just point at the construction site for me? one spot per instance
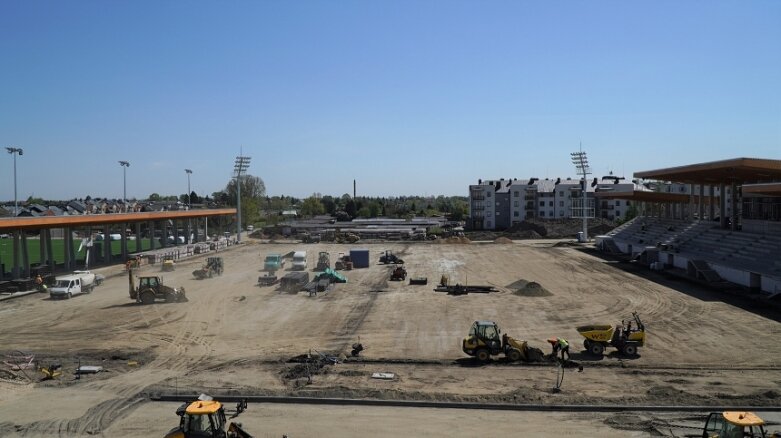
(372, 356)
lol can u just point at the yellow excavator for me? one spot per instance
(205, 418)
(731, 424)
(485, 340)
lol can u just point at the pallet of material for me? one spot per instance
(418, 280)
(462, 290)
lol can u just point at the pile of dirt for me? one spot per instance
(525, 288)
(308, 365)
(454, 239)
(502, 240)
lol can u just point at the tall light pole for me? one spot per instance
(241, 165)
(15, 152)
(125, 165)
(582, 168)
(189, 172)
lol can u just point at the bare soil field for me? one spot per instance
(234, 337)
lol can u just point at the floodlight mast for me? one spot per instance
(240, 165)
(15, 151)
(189, 204)
(580, 160)
(125, 165)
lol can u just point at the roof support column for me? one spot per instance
(722, 206)
(152, 235)
(138, 237)
(700, 204)
(164, 234)
(710, 203)
(106, 244)
(176, 232)
(123, 242)
(690, 213)
(67, 248)
(668, 213)
(17, 251)
(733, 199)
(42, 247)
(50, 250)
(24, 269)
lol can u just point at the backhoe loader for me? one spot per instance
(206, 419)
(484, 341)
(729, 424)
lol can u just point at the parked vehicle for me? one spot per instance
(294, 281)
(299, 261)
(273, 262)
(69, 285)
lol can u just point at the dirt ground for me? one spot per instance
(234, 337)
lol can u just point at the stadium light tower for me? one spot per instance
(582, 168)
(240, 165)
(189, 172)
(125, 165)
(15, 151)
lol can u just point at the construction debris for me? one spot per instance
(383, 376)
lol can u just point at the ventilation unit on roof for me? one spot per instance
(532, 180)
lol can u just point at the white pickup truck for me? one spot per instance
(77, 283)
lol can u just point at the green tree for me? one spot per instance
(312, 207)
(154, 197)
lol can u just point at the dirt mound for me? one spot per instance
(454, 239)
(502, 240)
(525, 288)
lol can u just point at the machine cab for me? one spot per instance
(202, 419)
(146, 282)
(483, 334)
(734, 425)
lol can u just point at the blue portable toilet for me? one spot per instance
(360, 257)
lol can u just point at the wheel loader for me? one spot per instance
(485, 340)
(626, 338)
(206, 419)
(212, 267)
(151, 288)
(730, 424)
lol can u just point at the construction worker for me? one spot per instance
(559, 344)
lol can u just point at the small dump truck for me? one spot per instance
(729, 424)
(168, 264)
(151, 289)
(69, 285)
(398, 274)
(344, 262)
(626, 338)
(212, 267)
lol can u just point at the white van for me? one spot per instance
(299, 261)
(69, 285)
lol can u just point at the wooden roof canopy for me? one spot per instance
(766, 189)
(740, 170)
(106, 219)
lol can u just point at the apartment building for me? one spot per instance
(498, 204)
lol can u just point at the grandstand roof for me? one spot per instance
(767, 189)
(101, 219)
(737, 169)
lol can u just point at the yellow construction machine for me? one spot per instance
(731, 424)
(626, 338)
(485, 340)
(205, 418)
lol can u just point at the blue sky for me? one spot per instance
(418, 97)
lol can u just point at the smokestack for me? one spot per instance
(353, 189)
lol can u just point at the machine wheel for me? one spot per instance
(597, 349)
(483, 355)
(147, 297)
(630, 350)
(70, 295)
(514, 355)
(587, 344)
